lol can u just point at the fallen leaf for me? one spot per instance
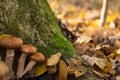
(101, 74)
(63, 71)
(75, 67)
(103, 64)
(40, 70)
(81, 48)
(51, 69)
(54, 59)
(3, 36)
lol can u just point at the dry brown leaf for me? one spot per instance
(52, 69)
(103, 64)
(97, 53)
(76, 68)
(81, 48)
(101, 74)
(63, 71)
(83, 39)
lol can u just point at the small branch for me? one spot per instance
(103, 13)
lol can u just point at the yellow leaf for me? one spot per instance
(108, 66)
(54, 59)
(40, 70)
(111, 56)
(63, 71)
(3, 36)
(111, 17)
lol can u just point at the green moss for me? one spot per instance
(58, 43)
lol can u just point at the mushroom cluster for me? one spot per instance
(11, 43)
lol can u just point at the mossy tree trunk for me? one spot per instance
(34, 22)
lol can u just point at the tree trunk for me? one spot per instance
(34, 22)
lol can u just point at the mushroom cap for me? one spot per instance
(4, 70)
(28, 49)
(11, 42)
(38, 57)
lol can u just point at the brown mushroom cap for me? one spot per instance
(38, 57)
(11, 42)
(28, 49)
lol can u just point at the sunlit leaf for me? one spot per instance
(3, 36)
(54, 59)
(40, 70)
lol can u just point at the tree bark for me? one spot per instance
(34, 22)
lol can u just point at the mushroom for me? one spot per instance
(26, 50)
(4, 71)
(11, 43)
(37, 57)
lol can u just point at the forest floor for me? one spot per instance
(99, 46)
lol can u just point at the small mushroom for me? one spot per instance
(4, 71)
(37, 57)
(10, 43)
(26, 50)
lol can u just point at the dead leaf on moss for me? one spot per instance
(54, 59)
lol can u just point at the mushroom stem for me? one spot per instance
(21, 64)
(28, 67)
(9, 61)
(9, 58)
